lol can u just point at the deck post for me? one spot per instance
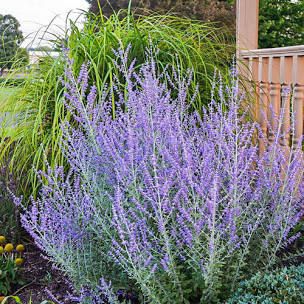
(247, 24)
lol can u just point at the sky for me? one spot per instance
(35, 15)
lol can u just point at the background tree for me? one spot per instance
(10, 40)
(221, 11)
(281, 23)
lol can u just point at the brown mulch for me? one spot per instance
(37, 272)
(39, 275)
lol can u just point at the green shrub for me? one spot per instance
(284, 285)
(182, 43)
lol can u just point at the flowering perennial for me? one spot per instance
(174, 206)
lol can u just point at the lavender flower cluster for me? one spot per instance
(174, 205)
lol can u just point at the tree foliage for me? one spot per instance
(281, 23)
(221, 11)
(10, 40)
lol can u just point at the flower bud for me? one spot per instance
(20, 248)
(2, 239)
(9, 247)
(19, 261)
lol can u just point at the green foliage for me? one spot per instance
(10, 39)
(281, 23)
(17, 300)
(8, 275)
(8, 218)
(182, 43)
(10, 82)
(10, 262)
(284, 285)
(179, 42)
(22, 58)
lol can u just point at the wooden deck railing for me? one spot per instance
(279, 77)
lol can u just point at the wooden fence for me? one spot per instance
(278, 75)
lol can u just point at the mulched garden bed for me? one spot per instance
(39, 276)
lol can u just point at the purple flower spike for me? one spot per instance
(160, 198)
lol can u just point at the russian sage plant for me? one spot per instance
(160, 201)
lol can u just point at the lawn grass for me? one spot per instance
(8, 222)
(6, 95)
(7, 92)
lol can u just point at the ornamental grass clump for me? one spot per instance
(32, 130)
(160, 201)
